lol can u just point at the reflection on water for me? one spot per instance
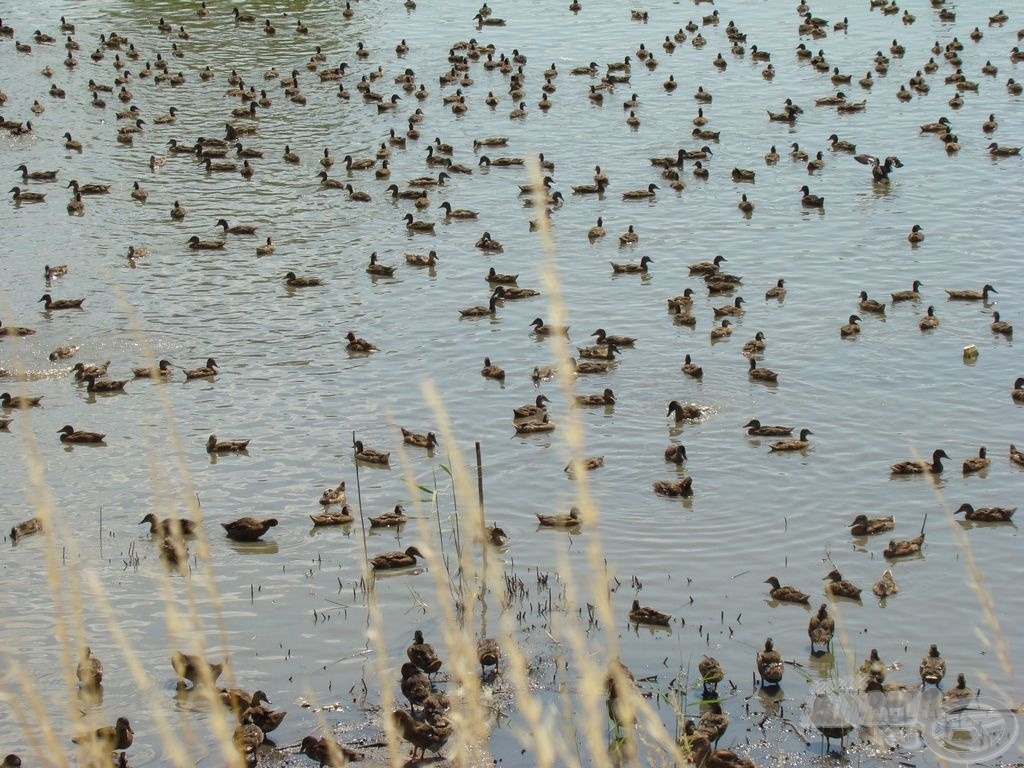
(287, 382)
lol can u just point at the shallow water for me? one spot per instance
(287, 383)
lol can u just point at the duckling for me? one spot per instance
(769, 664)
(207, 371)
(920, 467)
(792, 445)
(785, 594)
(971, 295)
(986, 514)
(389, 560)
(639, 614)
(358, 345)
(821, 628)
(213, 445)
(68, 434)
(632, 267)
(851, 328)
(929, 321)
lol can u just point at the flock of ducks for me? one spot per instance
(430, 728)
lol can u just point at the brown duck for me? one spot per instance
(248, 528)
(213, 445)
(170, 526)
(821, 628)
(390, 519)
(785, 594)
(389, 560)
(792, 445)
(863, 525)
(986, 514)
(343, 517)
(837, 586)
(110, 737)
(920, 467)
(641, 614)
(769, 664)
(422, 654)
(683, 487)
(933, 667)
(571, 520)
(195, 669)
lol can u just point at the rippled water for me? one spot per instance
(287, 383)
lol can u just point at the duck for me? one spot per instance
(104, 385)
(14, 330)
(707, 267)
(531, 410)
(490, 310)
(89, 670)
(886, 586)
(491, 371)
(334, 495)
(821, 628)
(496, 536)
(629, 237)
(342, 517)
(851, 328)
(606, 398)
(487, 243)
(632, 267)
(391, 519)
(792, 445)
(929, 321)
(534, 427)
(68, 434)
(730, 310)
(412, 225)
(63, 352)
(933, 667)
(913, 294)
(755, 345)
(294, 281)
(425, 735)
(674, 488)
(428, 441)
(27, 197)
(213, 445)
(837, 586)
(785, 594)
(761, 374)
(769, 664)
(421, 259)
(370, 455)
(839, 145)
(76, 205)
(1000, 326)
(389, 560)
(70, 144)
(756, 429)
(204, 371)
(171, 526)
(195, 668)
(639, 614)
(570, 520)
(683, 412)
(1017, 393)
(178, 212)
(262, 717)
(195, 244)
(237, 229)
(985, 514)
(248, 528)
(415, 685)
(811, 201)
(903, 548)
(27, 175)
(920, 467)
(328, 752)
(541, 329)
(82, 370)
(457, 213)
(488, 653)
(997, 151)
(976, 463)
(358, 345)
(1016, 456)
(863, 525)
(721, 331)
(641, 194)
(691, 369)
(971, 295)
(26, 528)
(746, 206)
(109, 738)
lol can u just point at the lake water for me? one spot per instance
(287, 384)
